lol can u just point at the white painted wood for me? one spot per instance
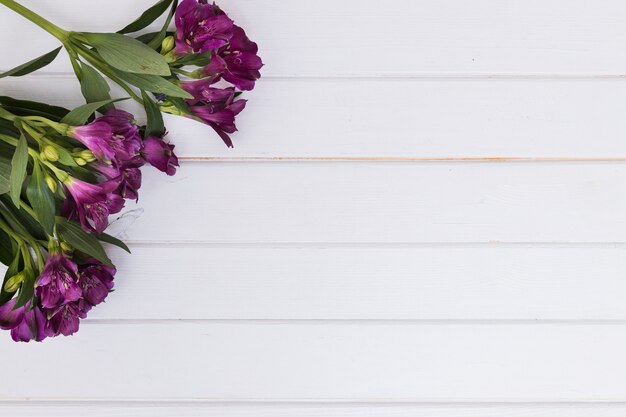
(466, 282)
(399, 37)
(330, 361)
(260, 409)
(381, 202)
(399, 118)
(371, 288)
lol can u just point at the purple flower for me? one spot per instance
(201, 27)
(238, 63)
(58, 282)
(65, 319)
(92, 204)
(127, 140)
(216, 107)
(160, 155)
(32, 326)
(96, 281)
(98, 138)
(10, 316)
(128, 178)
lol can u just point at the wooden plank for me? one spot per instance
(261, 409)
(420, 119)
(381, 202)
(468, 282)
(405, 37)
(385, 362)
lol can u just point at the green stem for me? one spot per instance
(59, 127)
(5, 226)
(5, 114)
(24, 235)
(45, 24)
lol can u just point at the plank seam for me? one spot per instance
(322, 402)
(361, 322)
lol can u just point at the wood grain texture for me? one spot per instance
(401, 119)
(441, 282)
(262, 409)
(380, 202)
(403, 37)
(354, 362)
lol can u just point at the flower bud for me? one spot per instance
(13, 283)
(167, 45)
(80, 161)
(169, 57)
(52, 184)
(87, 155)
(51, 153)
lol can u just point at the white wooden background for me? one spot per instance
(424, 215)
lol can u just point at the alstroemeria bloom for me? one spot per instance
(128, 177)
(98, 138)
(65, 319)
(160, 155)
(125, 132)
(96, 281)
(218, 109)
(31, 327)
(58, 282)
(92, 203)
(10, 316)
(238, 63)
(201, 27)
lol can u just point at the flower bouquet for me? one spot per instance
(63, 172)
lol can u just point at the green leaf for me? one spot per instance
(80, 115)
(6, 248)
(155, 42)
(113, 241)
(154, 84)
(147, 17)
(155, 125)
(65, 157)
(32, 108)
(94, 87)
(30, 223)
(128, 54)
(32, 66)
(199, 60)
(5, 175)
(27, 289)
(41, 199)
(13, 269)
(85, 242)
(18, 169)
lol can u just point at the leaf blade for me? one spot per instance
(128, 54)
(41, 199)
(113, 241)
(32, 65)
(155, 125)
(147, 17)
(81, 114)
(85, 242)
(5, 175)
(93, 86)
(18, 169)
(153, 84)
